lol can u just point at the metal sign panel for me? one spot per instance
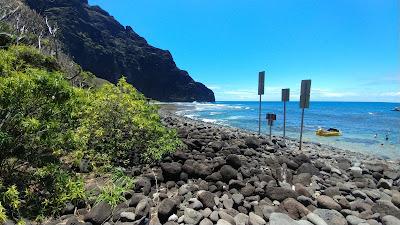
(271, 116)
(261, 78)
(285, 94)
(305, 94)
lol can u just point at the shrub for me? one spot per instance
(47, 127)
(116, 121)
(19, 57)
(3, 216)
(115, 188)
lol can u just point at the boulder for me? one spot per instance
(99, 213)
(390, 220)
(192, 216)
(171, 170)
(166, 208)
(281, 219)
(280, 193)
(255, 219)
(252, 142)
(206, 198)
(234, 161)
(384, 208)
(327, 202)
(307, 168)
(295, 209)
(331, 217)
(228, 173)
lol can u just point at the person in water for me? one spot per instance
(376, 135)
(387, 137)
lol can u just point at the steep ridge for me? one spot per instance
(101, 45)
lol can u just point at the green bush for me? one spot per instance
(47, 127)
(116, 121)
(113, 191)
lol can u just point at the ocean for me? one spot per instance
(364, 125)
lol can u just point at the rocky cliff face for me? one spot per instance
(101, 45)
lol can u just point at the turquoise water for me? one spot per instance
(358, 121)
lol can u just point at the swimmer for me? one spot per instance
(387, 137)
(376, 135)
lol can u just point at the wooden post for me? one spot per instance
(284, 119)
(301, 128)
(259, 117)
(304, 103)
(285, 98)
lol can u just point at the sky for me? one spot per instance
(350, 49)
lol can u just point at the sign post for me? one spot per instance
(304, 103)
(285, 98)
(271, 118)
(261, 79)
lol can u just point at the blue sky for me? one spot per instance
(349, 48)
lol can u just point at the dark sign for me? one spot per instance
(271, 116)
(285, 94)
(261, 78)
(305, 94)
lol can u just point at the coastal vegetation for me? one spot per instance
(54, 134)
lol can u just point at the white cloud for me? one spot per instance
(325, 93)
(391, 94)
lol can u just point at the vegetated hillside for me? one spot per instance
(101, 45)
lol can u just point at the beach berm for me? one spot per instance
(214, 180)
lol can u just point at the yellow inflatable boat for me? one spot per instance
(328, 133)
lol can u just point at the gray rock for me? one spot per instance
(390, 220)
(142, 209)
(206, 212)
(304, 222)
(228, 203)
(223, 222)
(384, 208)
(331, 217)
(225, 216)
(228, 173)
(99, 213)
(206, 221)
(325, 201)
(396, 198)
(247, 190)
(166, 209)
(238, 198)
(279, 193)
(308, 168)
(195, 204)
(281, 219)
(356, 171)
(192, 217)
(234, 161)
(353, 220)
(255, 219)
(241, 219)
(383, 183)
(206, 198)
(315, 219)
(214, 216)
(267, 210)
(127, 217)
(143, 184)
(173, 217)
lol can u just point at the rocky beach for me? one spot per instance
(228, 176)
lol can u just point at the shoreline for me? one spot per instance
(171, 109)
(228, 176)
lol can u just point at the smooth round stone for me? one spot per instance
(353, 220)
